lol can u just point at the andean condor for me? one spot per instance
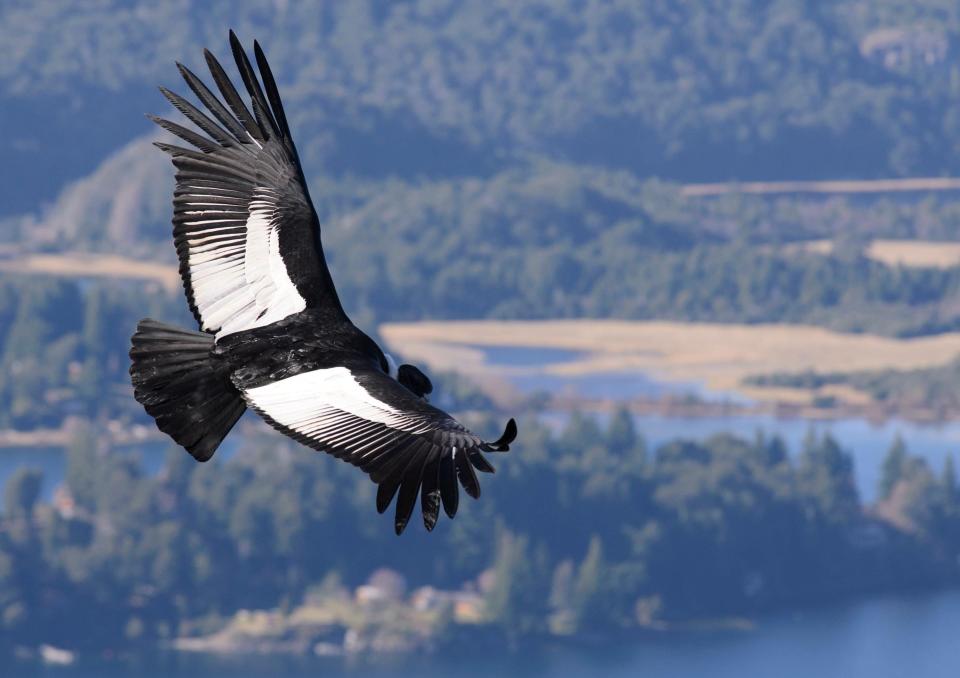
(274, 336)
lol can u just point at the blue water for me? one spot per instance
(523, 367)
(867, 442)
(527, 356)
(608, 386)
(52, 461)
(896, 637)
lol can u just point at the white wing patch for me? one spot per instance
(326, 405)
(239, 279)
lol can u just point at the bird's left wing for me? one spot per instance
(246, 233)
(371, 421)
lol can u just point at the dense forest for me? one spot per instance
(63, 349)
(705, 91)
(586, 530)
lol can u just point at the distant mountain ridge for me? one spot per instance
(706, 92)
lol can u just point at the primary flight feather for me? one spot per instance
(274, 336)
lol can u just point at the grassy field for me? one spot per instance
(840, 186)
(914, 253)
(92, 265)
(718, 355)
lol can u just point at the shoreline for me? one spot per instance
(669, 406)
(311, 650)
(685, 408)
(720, 358)
(61, 437)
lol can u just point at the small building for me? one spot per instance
(905, 48)
(427, 599)
(64, 503)
(383, 586)
(468, 608)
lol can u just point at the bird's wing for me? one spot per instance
(370, 420)
(246, 232)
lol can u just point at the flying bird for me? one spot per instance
(274, 336)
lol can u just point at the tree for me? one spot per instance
(587, 599)
(581, 433)
(948, 480)
(84, 474)
(826, 476)
(893, 467)
(562, 621)
(622, 433)
(21, 493)
(519, 599)
(919, 499)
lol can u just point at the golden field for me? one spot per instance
(92, 265)
(719, 355)
(913, 253)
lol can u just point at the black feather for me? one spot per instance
(199, 118)
(447, 479)
(191, 137)
(479, 462)
(391, 474)
(273, 94)
(385, 492)
(213, 104)
(397, 462)
(261, 108)
(430, 493)
(407, 498)
(232, 97)
(467, 477)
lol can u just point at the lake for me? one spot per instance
(525, 367)
(896, 637)
(866, 441)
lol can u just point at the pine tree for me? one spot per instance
(826, 474)
(562, 621)
(519, 598)
(21, 493)
(622, 434)
(948, 480)
(587, 595)
(893, 467)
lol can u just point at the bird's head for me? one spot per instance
(415, 380)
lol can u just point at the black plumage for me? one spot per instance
(274, 336)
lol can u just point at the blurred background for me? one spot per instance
(707, 253)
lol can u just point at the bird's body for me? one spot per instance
(274, 336)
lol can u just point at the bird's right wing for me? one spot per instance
(370, 420)
(246, 233)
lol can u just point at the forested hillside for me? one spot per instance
(699, 91)
(501, 159)
(689, 532)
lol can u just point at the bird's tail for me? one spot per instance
(182, 387)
